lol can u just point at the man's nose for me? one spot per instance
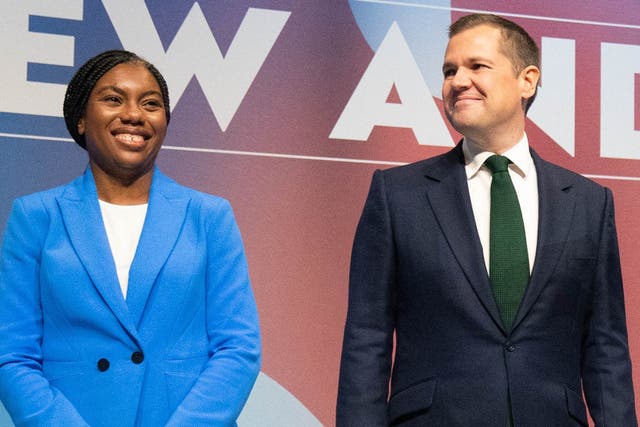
(461, 79)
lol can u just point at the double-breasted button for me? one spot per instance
(103, 364)
(137, 357)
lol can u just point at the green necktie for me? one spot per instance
(508, 258)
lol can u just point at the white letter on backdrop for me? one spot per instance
(618, 137)
(194, 51)
(554, 109)
(393, 63)
(19, 46)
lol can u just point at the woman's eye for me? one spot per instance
(152, 104)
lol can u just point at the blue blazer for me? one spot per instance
(182, 350)
(418, 272)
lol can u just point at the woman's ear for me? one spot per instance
(81, 126)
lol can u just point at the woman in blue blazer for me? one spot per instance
(124, 297)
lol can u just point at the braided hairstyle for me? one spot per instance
(85, 79)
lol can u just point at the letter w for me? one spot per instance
(194, 51)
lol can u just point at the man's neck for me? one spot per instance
(493, 144)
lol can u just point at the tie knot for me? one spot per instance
(497, 163)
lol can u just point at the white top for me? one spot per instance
(525, 181)
(123, 224)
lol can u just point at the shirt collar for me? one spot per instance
(521, 161)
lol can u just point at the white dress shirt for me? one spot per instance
(525, 181)
(123, 224)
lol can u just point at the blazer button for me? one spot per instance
(137, 357)
(511, 347)
(103, 364)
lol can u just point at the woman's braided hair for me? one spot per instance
(84, 80)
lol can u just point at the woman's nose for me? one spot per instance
(131, 113)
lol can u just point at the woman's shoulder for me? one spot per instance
(43, 198)
(173, 189)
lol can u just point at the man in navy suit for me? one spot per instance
(427, 341)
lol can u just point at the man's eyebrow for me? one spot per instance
(472, 59)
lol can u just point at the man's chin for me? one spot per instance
(463, 126)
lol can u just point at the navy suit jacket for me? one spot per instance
(182, 350)
(424, 344)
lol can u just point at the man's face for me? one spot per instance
(125, 122)
(482, 94)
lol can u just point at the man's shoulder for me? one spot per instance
(444, 161)
(565, 176)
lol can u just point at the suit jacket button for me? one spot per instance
(103, 364)
(511, 347)
(137, 357)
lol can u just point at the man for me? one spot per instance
(488, 332)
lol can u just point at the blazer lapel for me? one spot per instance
(448, 195)
(163, 224)
(83, 220)
(556, 208)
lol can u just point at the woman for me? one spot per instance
(124, 297)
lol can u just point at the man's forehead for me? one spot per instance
(477, 39)
(481, 30)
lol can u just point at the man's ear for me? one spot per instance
(529, 77)
(81, 126)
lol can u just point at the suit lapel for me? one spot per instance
(448, 195)
(83, 220)
(556, 208)
(163, 224)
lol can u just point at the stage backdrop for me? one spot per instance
(286, 107)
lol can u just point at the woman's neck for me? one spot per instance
(122, 190)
